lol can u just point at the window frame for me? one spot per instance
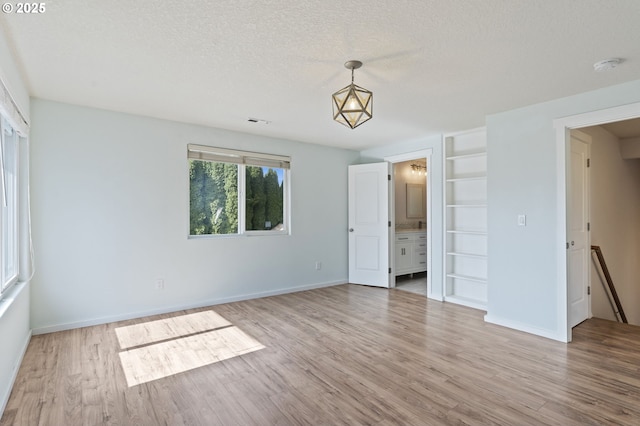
(243, 159)
(10, 197)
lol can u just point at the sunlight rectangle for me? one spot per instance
(164, 359)
(169, 328)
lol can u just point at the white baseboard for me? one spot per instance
(549, 334)
(168, 309)
(6, 393)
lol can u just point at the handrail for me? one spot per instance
(607, 276)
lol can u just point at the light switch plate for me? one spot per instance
(522, 220)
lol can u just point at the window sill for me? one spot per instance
(248, 234)
(9, 296)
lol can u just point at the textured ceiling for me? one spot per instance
(433, 65)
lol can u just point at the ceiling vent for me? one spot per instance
(258, 120)
(607, 64)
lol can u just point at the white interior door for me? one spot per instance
(369, 224)
(577, 227)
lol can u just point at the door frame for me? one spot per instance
(563, 127)
(415, 155)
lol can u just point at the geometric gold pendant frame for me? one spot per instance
(352, 105)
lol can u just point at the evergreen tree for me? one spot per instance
(273, 206)
(213, 198)
(257, 202)
(230, 179)
(200, 194)
(248, 211)
(216, 202)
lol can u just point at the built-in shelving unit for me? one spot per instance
(465, 261)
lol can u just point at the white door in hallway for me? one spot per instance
(579, 248)
(369, 224)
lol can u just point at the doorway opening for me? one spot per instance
(410, 222)
(614, 212)
(565, 214)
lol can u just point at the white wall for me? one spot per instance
(14, 307)
(522, 179)
(110, 215)
(437, 201)
(615, 224)
(15, 333)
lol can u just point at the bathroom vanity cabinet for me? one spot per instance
(411, 251)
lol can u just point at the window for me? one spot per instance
(9, 205)
(236, 192)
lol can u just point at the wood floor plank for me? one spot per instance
(340, 355)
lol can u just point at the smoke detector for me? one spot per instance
(607, 64)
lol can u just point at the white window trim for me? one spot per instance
(12, 113)
(4, 201)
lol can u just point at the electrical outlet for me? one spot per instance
(318, 266)
(159, 284)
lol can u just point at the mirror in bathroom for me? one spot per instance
(415, 200)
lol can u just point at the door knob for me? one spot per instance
(350, 229)
(572, 243)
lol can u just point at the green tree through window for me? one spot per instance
(213, 198)
(214, 189)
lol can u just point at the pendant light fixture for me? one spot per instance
(352, 105)
(418, 168)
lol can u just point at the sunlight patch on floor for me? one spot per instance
(184, 343)
(169, 328)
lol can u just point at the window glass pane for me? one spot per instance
(264, 198)
(213, 198)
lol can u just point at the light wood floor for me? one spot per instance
(344, 355)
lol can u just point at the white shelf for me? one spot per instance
(467, 301)
(470, 154)
(471, 255)
(466, 231)
(467, 178)
(468, 278)
(466, 205)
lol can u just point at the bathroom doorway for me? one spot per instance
(410, 218)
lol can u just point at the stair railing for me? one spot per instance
(612, 289)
